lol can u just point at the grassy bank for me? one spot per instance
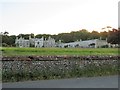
(58, 51)
(57, 71)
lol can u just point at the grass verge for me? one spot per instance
(58, 51)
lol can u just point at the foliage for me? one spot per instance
(104, 46)
(94, 35)
(112, 36)
(64, 37)
(26, 36)
(103, 35)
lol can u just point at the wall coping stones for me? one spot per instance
(59, 57)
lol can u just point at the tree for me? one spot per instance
(113, 36)
(83, 34)
(5, 39)
(8, 40)
(94, 35)
(12, 40)
(65, 37)
(5, 33)
(103, 35)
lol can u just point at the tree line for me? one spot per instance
(112, 36)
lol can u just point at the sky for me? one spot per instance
(56, 16)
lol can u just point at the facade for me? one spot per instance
(36, 42)
(39, 42)
(21, 42)
(95, 43)
(49, 43)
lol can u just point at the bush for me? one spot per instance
(104, 46)
(5, 45)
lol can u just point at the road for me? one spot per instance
(90, 82)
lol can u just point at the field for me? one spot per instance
(13, 51)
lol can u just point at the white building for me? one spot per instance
(36, 42)
(50, 42)
(21, 42)
(39, 42)
(95, 43)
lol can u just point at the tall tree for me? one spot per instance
(113, 36)
(6, 33)
(95, 35)
(103, 35)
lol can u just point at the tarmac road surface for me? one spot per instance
(84, 82)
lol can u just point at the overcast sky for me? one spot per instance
(56, 16)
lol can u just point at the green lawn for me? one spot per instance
(13, 51)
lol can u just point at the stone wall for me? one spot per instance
(47, 67)
(52, 65)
